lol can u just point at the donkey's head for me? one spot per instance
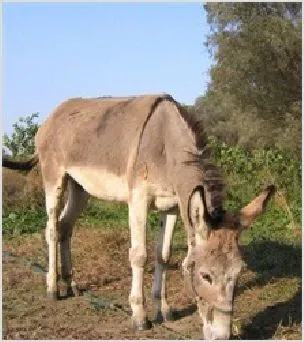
(215, 261)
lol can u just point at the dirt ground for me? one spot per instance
(102, 271)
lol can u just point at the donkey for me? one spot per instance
(149, 152)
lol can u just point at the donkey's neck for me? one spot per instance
(188, 159)
(180, 145)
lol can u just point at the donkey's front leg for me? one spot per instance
(138, 254)
(163, 251)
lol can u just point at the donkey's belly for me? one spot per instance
(165, 203)
(101, 183)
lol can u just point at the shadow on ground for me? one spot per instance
(272, 260)
(264, 324)
(187, 311)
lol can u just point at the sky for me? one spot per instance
(55, 51)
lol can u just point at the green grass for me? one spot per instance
(19, 222)
(98, 214)
(274, 225)
(105, 214)
(245, 174)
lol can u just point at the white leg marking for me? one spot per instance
(138, 253)
(52, 207)
(163, 250)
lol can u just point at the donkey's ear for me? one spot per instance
(256, 207)
(197, 213)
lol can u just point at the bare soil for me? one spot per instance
(101, 269)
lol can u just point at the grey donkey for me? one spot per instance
(151, 153)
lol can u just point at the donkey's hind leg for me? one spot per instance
(54, 189)
(76, 201)
(163, 251)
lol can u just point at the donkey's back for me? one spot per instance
(97, 133)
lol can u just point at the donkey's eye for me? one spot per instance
(206, 277)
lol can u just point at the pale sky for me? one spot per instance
(56, 51)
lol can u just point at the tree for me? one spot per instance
(257, 49)
(254, 96)
(21, 143)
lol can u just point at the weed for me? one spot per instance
(245, 173)
(18, 222)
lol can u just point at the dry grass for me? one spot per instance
(21, 189)
(264, 309)
(13, 186)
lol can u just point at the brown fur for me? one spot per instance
(116, 130)
(223, 240)
(79, 126)
(122, 133)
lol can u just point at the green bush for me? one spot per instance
(246, 173)
(18, 222)
(21, 143)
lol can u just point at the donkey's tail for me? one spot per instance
(26, 165)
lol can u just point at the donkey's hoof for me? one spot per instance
(74, 289)
(71, 292)
(159, 317)
(142, 324)
(67, 288)
(52, 295)
(66, 291)
(164, 316)
(168, 315)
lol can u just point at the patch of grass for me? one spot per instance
(274, 225)
(104, 214)
(246, 173)
(18, 222)
(273, 292)
(112, 215)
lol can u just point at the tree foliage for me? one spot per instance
(257, 47)
(21, 143)
(255, 92)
